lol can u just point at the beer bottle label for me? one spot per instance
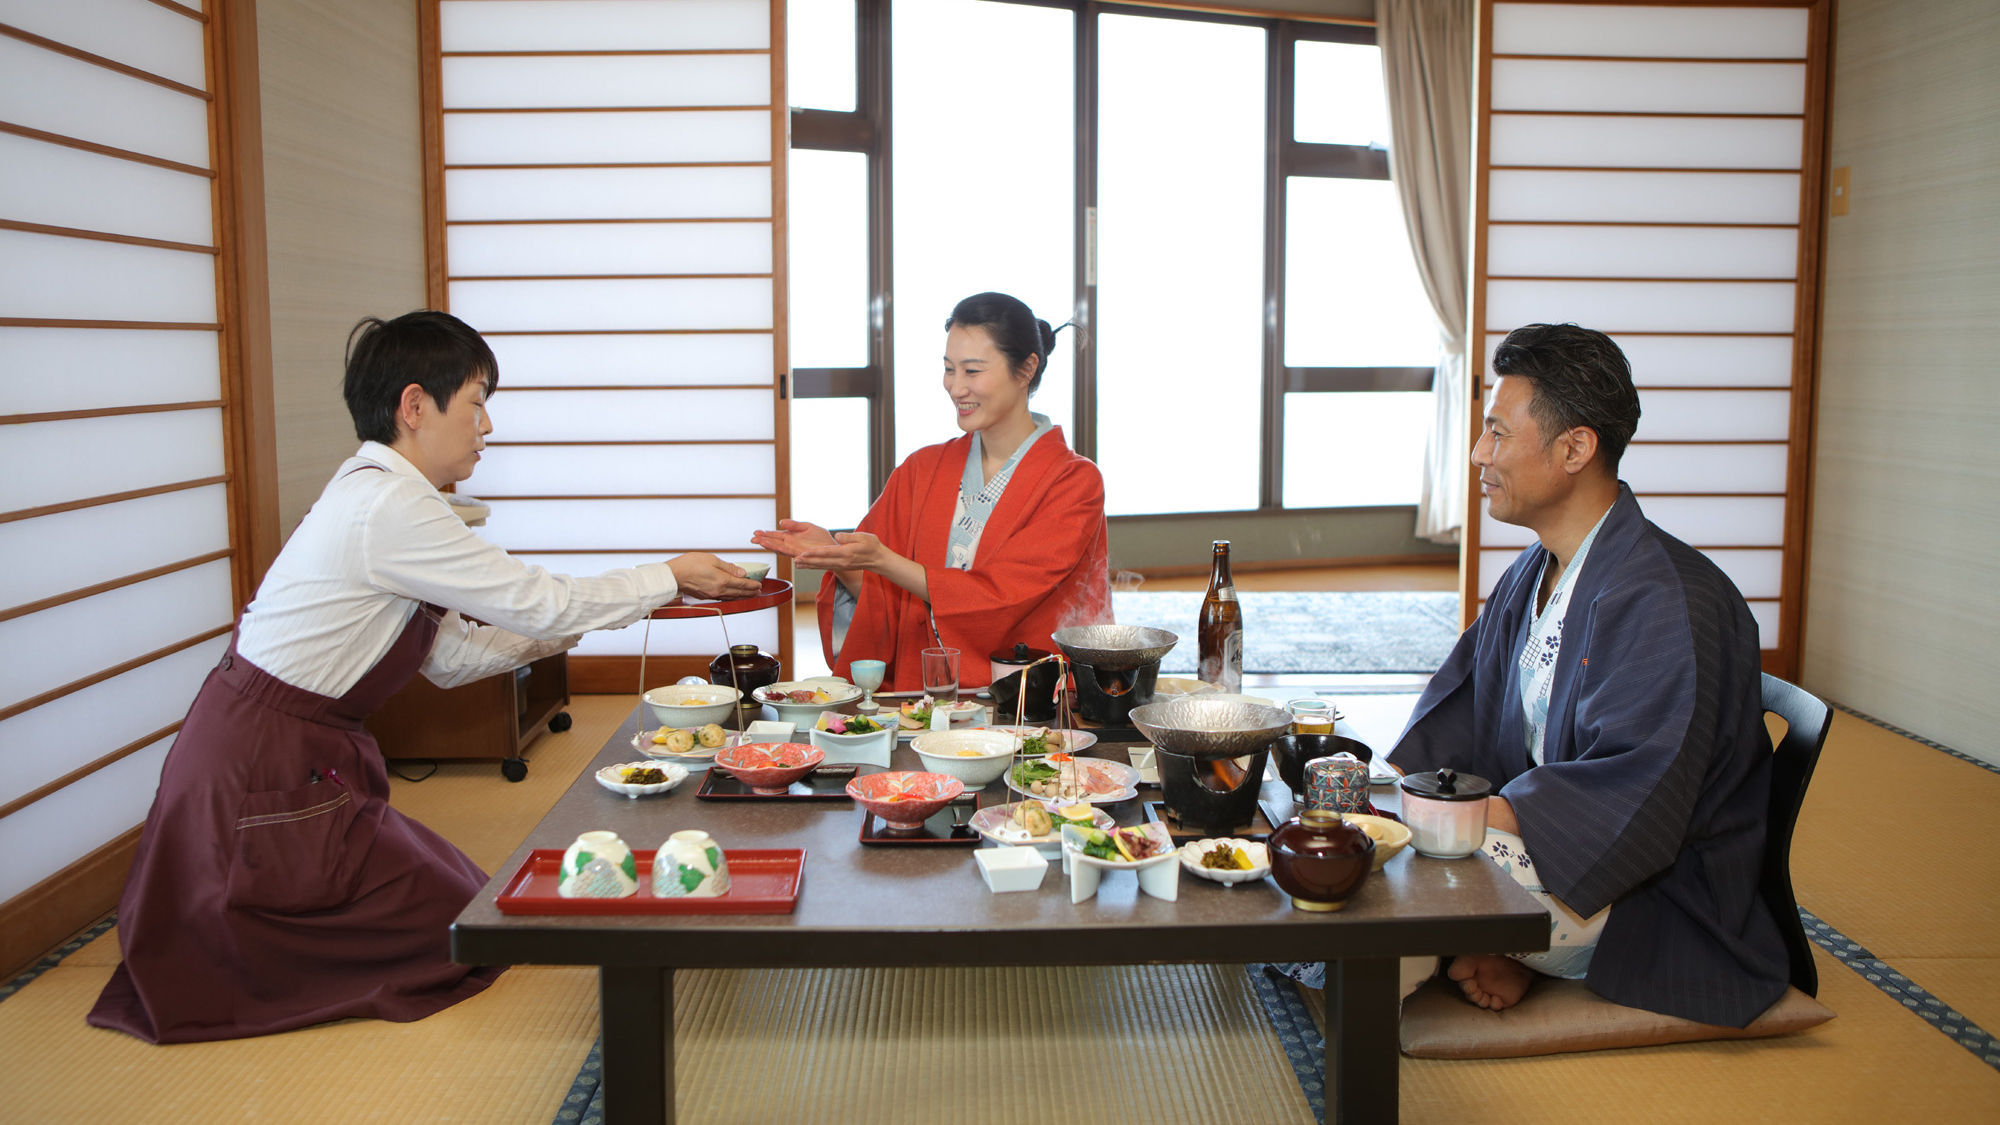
(1226, 594)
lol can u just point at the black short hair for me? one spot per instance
(1581, 378)
(435, 350)
(1014, 328)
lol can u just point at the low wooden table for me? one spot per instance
(924, 906)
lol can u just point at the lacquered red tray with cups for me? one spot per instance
(776, 591)
(761, 881)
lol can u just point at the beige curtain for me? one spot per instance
(1427, 65)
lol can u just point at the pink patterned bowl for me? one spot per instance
(904, 799)
(770, 767)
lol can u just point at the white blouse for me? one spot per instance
(379, 541)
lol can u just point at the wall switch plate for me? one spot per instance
(1839, 206)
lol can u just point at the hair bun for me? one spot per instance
(1048, 335)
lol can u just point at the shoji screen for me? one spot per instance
(609, 213)
(121, 564)
(1653, 171)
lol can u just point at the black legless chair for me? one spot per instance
(1807, 720)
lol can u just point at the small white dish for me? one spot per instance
(694, 761)
(1011, 869)
(872, 748)
(803, 714)
(769, 730)
(1258, 855)
(1146, 764)
(995, 824)
(610, 776)
(1159, 875)
(1167, 687)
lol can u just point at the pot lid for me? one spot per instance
(1448, 785)
(1021, 653)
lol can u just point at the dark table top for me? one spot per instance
(916, 905)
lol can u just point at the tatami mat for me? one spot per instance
(1147, 1044)
(507, 1055)
(1152, 1044)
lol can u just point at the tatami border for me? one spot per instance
(1918, 1000)
(1892, 728)
(54, 957)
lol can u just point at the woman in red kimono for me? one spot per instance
(274, 886)
(993, 538)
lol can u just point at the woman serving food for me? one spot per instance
(997, 536)
(273, 886)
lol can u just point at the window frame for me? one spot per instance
(867, 130)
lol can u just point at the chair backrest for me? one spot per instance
(1807, 719)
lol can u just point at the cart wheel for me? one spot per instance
(560, 722)
(514, 769)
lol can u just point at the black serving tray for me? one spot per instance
(1257, 831)
(950, 826)
(827, 783)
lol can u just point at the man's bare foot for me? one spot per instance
(1491, 981)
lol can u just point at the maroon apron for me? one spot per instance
(273, 885)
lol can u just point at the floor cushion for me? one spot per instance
(1562, 1015)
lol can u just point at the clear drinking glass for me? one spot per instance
(941, 674)
(867, 676)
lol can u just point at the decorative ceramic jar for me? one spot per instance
(1320, 860)
(690, 865)
(1446, 812)
(1291, 752)
(754, 669)
(598, 865)
(1338, 783)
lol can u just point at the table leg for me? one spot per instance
(636, 1007)
(1362, 1042)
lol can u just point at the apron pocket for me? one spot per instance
(292, 849)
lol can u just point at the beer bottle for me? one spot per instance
(1221, 626)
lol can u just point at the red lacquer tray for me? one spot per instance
(761, 881)
(776, 591)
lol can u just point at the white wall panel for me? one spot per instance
(607, 193)
(100, 105)
(65, 551)
(1715, 416)
(1702, 521)
(596, 25)
(1643, 197)
(133, 32)
(580, 470)
(700, 636)
(653, 303)
(78, 819)
(634, 359)
(1757, 574)
(59, 186)
(1565, 140)
(1640, 306)
(51, 369)
(149, 449)
(1648, 87)
(1539, 250)
(1687, 361)
(68, 733)
(1767, 615)
(1665, 30)
(572, 249)
(608, 138)
(75, 639)
(626, 525)
(1702, 468)
(621, 415)
(61, 278)
(606, 80)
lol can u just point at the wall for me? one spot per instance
(1902, 606)
(343, 202)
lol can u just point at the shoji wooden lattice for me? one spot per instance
(1654, 171)
(607, 207)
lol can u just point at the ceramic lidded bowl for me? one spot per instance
(1446, 812)
(903, 800)
(1320, 860)
(690, 865)
(598, 865)
(769, 768)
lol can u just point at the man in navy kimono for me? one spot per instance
(1611, 693)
